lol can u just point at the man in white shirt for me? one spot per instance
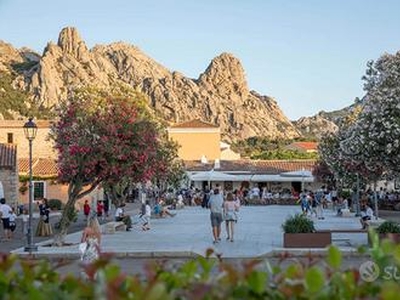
(5, 212)
(215, 204)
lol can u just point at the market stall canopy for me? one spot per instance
(279, 178)
(213, 176)
(300, 173)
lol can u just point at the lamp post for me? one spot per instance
(30, 130)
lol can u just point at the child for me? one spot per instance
(86, 209)
(13, 221)
(146, 216)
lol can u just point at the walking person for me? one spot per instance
(146, 217)
(13, 221)
(25, 220)
(44, 227)
(230, 209)
(5, 211)
(100, 209)
(305, 205)
(206, 197)
(216, 203)
(90, 243)
(86, 209)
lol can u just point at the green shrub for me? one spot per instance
(201, 278)
(298, 224)
(388, 227)
(55, 204)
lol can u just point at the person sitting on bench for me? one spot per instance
(366, 215)
(343, 205)
(161, 211)
(120, 216)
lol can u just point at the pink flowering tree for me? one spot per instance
(102, 139)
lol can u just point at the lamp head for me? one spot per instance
(30, 129)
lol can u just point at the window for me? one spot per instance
(38, 190)
(10, 138)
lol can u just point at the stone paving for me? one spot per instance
(188, 234)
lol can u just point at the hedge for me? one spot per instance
(197, 279)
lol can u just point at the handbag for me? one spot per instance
(230, 216)
(82, 247)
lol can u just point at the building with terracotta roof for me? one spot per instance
(203, 153)
(306, 147)
(273, 174)
(43, 164)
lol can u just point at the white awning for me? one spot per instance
(300, 173)
(279, 178)
(212, 176)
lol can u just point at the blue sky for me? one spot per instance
(309, 55)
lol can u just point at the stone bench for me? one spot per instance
(344, 230)
(346, 213)
(112, 227)
(373, 223)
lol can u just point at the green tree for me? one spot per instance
(14, 101)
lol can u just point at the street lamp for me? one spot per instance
(30, 130)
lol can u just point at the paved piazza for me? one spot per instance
(258, 233)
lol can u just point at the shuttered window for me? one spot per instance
(38, 190)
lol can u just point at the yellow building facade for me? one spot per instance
(197, 140)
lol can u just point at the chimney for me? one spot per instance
(217, 164)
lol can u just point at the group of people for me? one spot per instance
(313, 203)
(223, 210)
(8, 218)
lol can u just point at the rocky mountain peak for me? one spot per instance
(71, 43)
(225, 72)
(315, 126)
(219, 96)
(8, 55)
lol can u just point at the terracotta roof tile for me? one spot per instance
(254, 166)
(305, 145)
(8, 156)
(44, 167)
(194, 124)
(20, 123)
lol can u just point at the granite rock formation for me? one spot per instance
(220, 95)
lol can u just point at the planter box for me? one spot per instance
(307, 240)
(394, 237)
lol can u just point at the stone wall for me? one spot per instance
(9, 179)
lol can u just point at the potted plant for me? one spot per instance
(389, 230)
(299, 232)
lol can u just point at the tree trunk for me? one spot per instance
(74, 193)
(376, 200)
(65, 221)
